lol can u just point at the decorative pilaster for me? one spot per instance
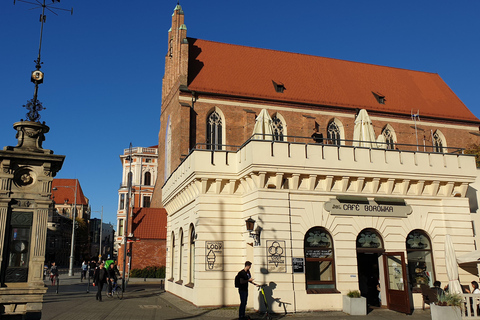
(3, 225)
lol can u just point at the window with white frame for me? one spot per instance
(438, 141)
(147, 178)
(278, 128)
(333, 133)
(214, 131)
(389, 136)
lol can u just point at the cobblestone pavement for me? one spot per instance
(145, 300)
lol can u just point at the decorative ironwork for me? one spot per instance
(369, 239)
(34, 106)
(317, 238)
(417, 240)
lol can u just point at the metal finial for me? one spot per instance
(34, 106)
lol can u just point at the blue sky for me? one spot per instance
(104, 65)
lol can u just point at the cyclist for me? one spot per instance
(112, 272)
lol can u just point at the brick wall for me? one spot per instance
(145, 253)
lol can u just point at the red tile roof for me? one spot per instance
(250, 72)
(149, 223)
(66, 191)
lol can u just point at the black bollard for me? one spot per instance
(88, 282)
(58, 284)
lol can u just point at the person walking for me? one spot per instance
(241, 281)
(101, 278)
(53, 273)
(84, 270)
(93, 266)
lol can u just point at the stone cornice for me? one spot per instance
(326, 170)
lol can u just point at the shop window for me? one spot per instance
(420, 262)
(278, 128)
(319, 261)
(334, 133)
(214, 131)
(147, 178)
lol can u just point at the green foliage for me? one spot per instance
(474, 149)
(353, 294)
(450, 299)
(148, 272)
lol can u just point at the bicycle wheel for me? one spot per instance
(119, 293)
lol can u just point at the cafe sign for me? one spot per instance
(360, 206)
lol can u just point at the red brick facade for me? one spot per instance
(202, 76)
(145, 253)
(148, 246)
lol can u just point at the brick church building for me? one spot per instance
(329, 210)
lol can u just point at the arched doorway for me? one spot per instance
(369, 248)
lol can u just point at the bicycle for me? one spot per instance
(267, 314)
(116, 290)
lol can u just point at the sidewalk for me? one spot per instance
(145, 300)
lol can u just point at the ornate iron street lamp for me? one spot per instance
(254, 233)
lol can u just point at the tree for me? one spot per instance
(475, 150)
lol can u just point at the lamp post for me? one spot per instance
(74, 211)
(129, 186)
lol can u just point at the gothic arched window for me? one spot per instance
(214, 131)
(389, 138)
(438, 143)
(333, 133)
(278, 126)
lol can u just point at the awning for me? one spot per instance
(471, 257)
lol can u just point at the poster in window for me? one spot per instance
(276, 256)
(214, 255)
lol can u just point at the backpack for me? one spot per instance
(237, 280)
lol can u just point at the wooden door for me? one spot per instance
(398, 298)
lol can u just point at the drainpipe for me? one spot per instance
(291, 252)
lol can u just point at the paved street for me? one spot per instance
(145, 300)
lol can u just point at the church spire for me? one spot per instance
(176, 60)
